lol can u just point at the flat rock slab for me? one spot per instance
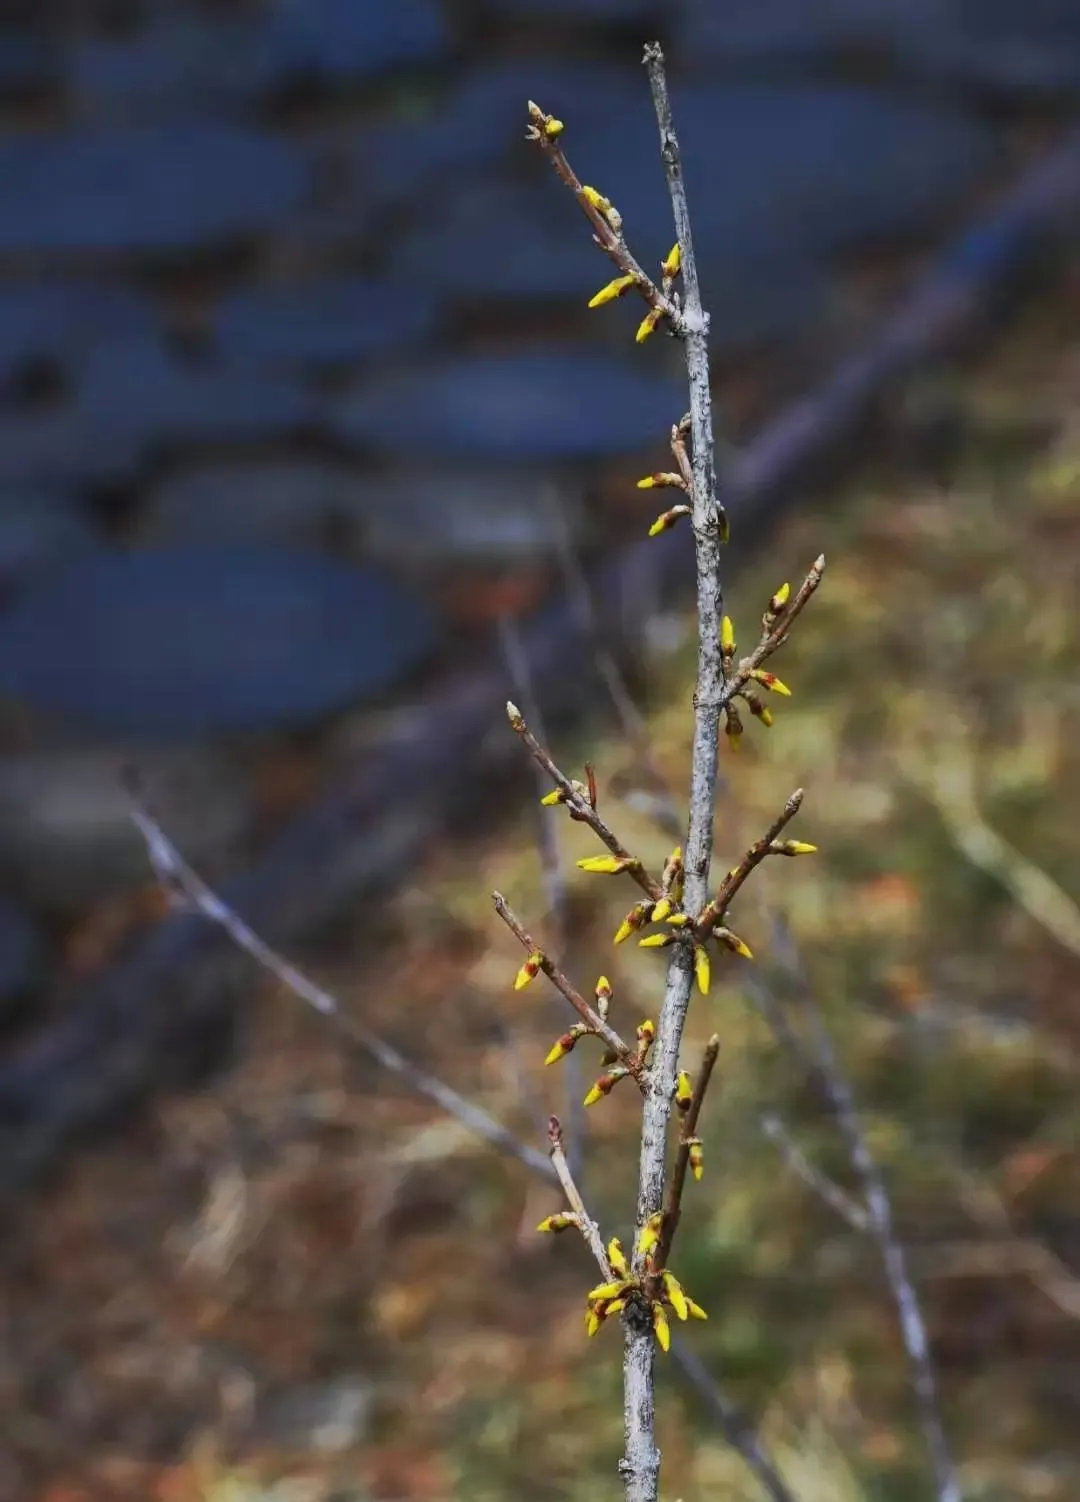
(1004, 44)
(570, 404)
(180, 63)
(327, 322)
(207, 640)
(149, 188)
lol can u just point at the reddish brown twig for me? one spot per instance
(673, 1203)
(713, 912)
(579, 801)
(628, 1057)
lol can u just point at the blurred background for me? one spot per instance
(310, 454)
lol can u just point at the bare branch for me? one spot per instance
(585, 1223)
(713, 912)
(826, 1189)
(578, 802)
(627, 1056)
(673, 1205)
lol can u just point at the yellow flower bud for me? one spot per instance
(646, 1034)
(528, 971)
(667, 519)
(695, 1310)
(634, 919)
(597, 200)
(672, 262)
(779, 599)
(563, 1045)
(560, 1222)
(593, 1320)
(733, 942)
(679, 920)
(553, 128)
(513, 714)
(605, 865)
(610, 291)
(661, 911)
(798, 847)
(697, 1160)
(661, 1326)
(649, 1236)
(684, 1090)
(727, 636)
(617, 1257)
(673, 1292)
(663, 480)
(702, 969)
(604, 1086)
(647, 325)
(771, 682)
(549, 800)
(604, 1291)
(656, 941)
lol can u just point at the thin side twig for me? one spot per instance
(586, 1225)
(626, 1055)
(185, 883)
(673, 1204)
(580, 806)
(840, 1099)
(714, 911)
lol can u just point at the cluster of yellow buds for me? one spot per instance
(623, 1289)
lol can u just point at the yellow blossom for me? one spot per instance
(661, 911)
(604, 1291)
(617, 1257)
(798, 847)
(661, 1326)
(553, 127)
(610, 291)
(656, 941)
(779, 599)
(733, 942)
(649, 1236)
(605, 865)
(528, 971)
(560, 1222)
(702, 969)
(667, 519)
(771, 682)
(557, 795)
(727, 636)
(695, 1310)
(672, 262)
(684, 1090)
(648, 324)
(697, 1159)
(673, 1292)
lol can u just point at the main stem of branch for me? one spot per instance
(641, 1462)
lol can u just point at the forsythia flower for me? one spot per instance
(661, 911)
(528, 971)
(661, 1326)
(673, 1292)
(733, 942)
(617, 1258)
(697, 1158)
(563, 1045)
(650, 1233)
(604, 1086)
(557, 795)
(667, 519)
(560, 1222)
(553, 128)
(648, 324)
(672, 262)
(662, 480)
(656, 941)
(684, 1090)
(702, 969)
(771, 682)
(635, 919)
(797, 847)
(779, 599)
(606, 865)
(727, 636)
(610, 291)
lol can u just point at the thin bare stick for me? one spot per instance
(839, 1097)
(774, 635)
(182, 881)
(626, 1055)
(687, 1137)
(578, 800)
(547, 834)
(713, 912)
(585, 1223)
(826, 1189)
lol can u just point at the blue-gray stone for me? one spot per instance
(997, 43)
(135, 391)
(570, 404)
(59, 321)
(479, 124)
(22, 953)
(179, 64)
(156, 187)
(299, 502)
(326, 322)
(208, 640)
(38, 529)
(339, 39)
(799, 169)
(501, 239)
